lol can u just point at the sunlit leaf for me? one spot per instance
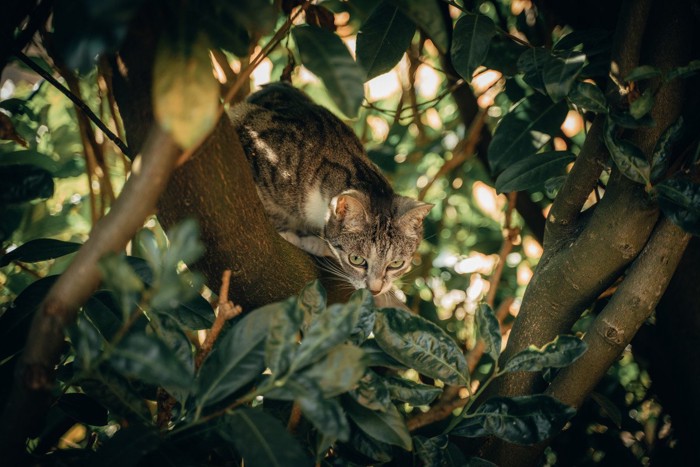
(524, 130)
(518, 420)
(339, 371)
(489, 330)
(325, 55)
(589, 97)
(559, 353)
(560, 72)
(383, 39)
(185, 92)
(420, 344)
(643, 72)
(470, 43)
(533, 171)
(387, 427)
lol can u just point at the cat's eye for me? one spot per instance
(356, 260)
(396, 264)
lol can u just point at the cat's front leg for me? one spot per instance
(309, 243)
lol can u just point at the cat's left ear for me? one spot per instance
(411, 213)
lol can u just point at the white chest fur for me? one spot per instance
(316, 207)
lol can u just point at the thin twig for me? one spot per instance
(79, 103)
(227, 310)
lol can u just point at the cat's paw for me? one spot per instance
(309, 243)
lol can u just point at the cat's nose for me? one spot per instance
(375, 287)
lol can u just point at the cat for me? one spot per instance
(320, 190)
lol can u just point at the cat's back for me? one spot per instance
(301, 154)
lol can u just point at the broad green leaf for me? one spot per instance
(533, 171)
(120, 277)
(261, 439)
(643, 72)
(185, 92)
(662, 156)
(629, 158)
(83, 409)
(524, 130)
(589, 97)
(325, 414)
(679, 199)
(470, 43)
(531, 63)
(87, 343)
(29, 157)
(181, 349)
(559, 353)
(376, 356)
(184, 246)
(383, 39)
(387, 427)
(370, 447)
(489, 330)
(237, 357)
(420, 344)
(428, 17)
(432, 451)
(114, 392)
(41, 249)
(150, 360)
(518, 420)
(371, 392)
(194, 314)
(684, 71)
(21, 183)
(626, 120)
(642, 105)
(560, 72)
(325, 55)
(409, 391)
(312, 299)
(339, 371)
(329, 329)
(281, 342)
(145, 245)
(503, 56)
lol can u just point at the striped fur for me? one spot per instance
(321, 191)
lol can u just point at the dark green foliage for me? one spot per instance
(489, 331)
(559, 353)
(629, 158)
(22, 183)
(41, 249)
(533, 171)
(471, 42)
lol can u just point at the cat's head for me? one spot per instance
(374, 244)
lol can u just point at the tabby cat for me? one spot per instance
(322, 193)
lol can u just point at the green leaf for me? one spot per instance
(662, 156)
(185, 92)
(642, 105)
(533, 171)
(432, 451)
(370, 447)
(21, 183)
(87, 343)
(409, 391)
(329, 329)
(104, 311)
(376, 356)
(83, 409)
(149, 359)
(194, 314)
(237, 357)
(524, 130)
(428, 17)
(312, 299)
(383, 39)
(181, 349)
(589, 97)
(519, 420)
(281, 342)
(325, 55)
(684, 71)
(420, 344)
(114, 392)
(371, 392)
(643, 72)
(626, 120)
(559, 353)
(470, 43)
(560, 72)
(489, 330)
(388, 427)
(325, 414)
(119, 276)
(679, 199)
(41, 249)
(185, 245)
(531, 63)
(365, 323)
(339, 371)
(629, 158)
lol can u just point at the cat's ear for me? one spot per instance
(411, 213)
(348, 208)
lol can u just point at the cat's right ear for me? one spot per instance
(348, 209)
